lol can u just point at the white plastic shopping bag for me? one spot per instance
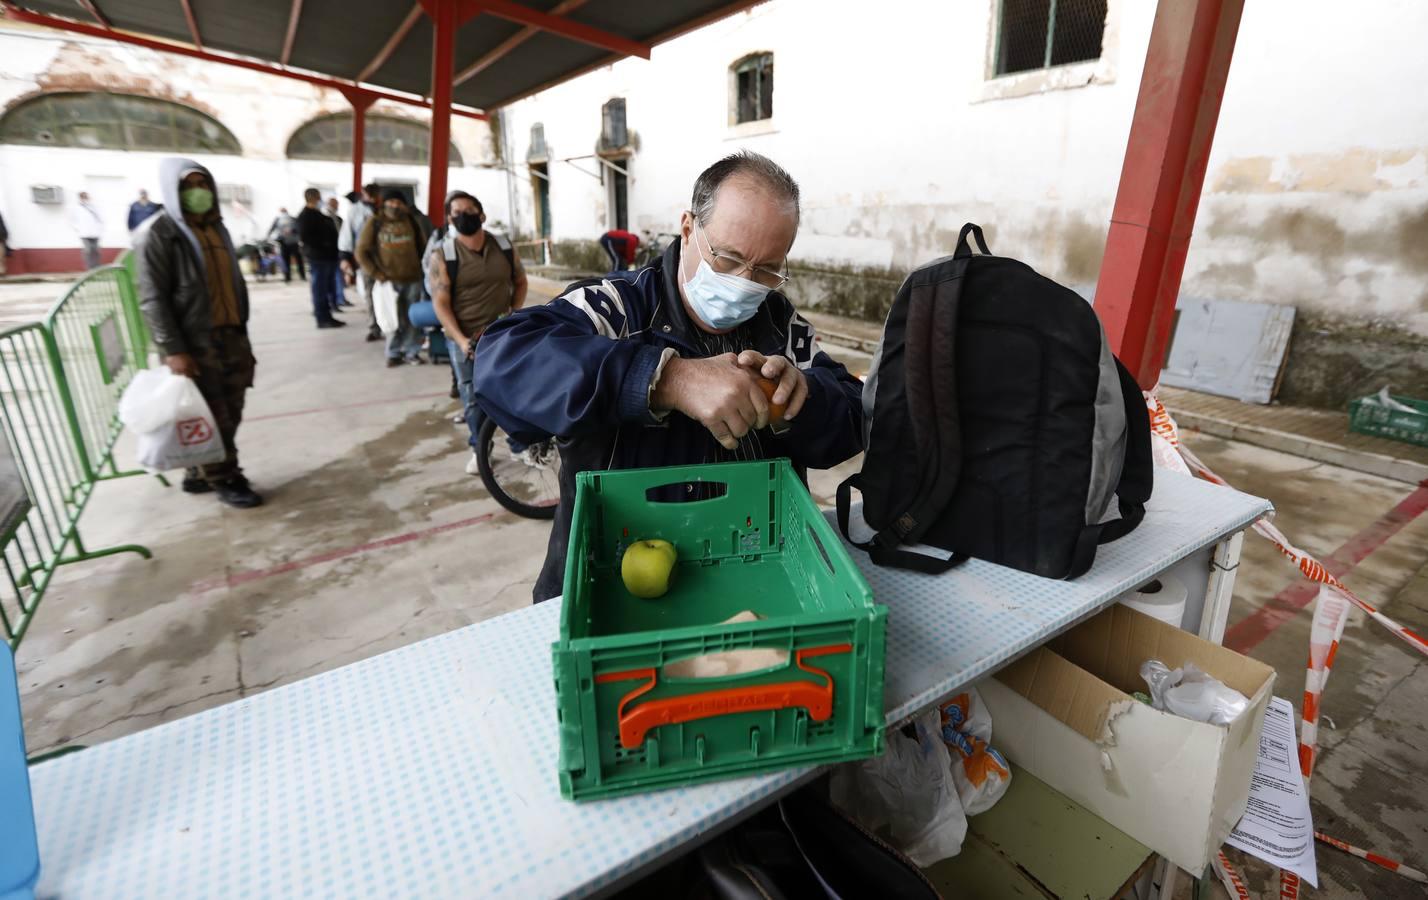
(909, 790)
(174, 425)
(384, 306)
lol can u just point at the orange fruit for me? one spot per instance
(776, 410)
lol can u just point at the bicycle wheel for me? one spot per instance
(527, 483)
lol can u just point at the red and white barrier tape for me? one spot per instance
(1391, 865)
(1229, 877)
(1163, 426)
(1330, 615)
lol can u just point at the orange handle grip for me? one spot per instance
(635, 723)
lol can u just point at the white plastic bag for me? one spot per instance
(909, 789)
(384, 306)
(174, 424)
(1191, 693)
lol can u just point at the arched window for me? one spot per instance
(751, 89)
(389, 140)
(94, 120)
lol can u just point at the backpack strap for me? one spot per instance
(883, 548)
(1136, 483)
(931, 385)
(504, 243)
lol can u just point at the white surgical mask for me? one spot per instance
(722, 301)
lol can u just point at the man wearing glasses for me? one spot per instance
(660, 366)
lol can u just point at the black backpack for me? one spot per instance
(999, 424)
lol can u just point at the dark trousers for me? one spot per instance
(615, 249)
(324, 288)
(292, 253)
(225, 372)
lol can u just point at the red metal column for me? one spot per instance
(1191, 44)
(360, 100)
(443, 20)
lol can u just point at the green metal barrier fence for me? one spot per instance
(60, 383)
(101, 344)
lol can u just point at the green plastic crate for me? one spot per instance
(1366, 416)
(763, 545)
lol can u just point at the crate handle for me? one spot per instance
(717, 490)
(635, 723)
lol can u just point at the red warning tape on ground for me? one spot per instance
(1229, 877)
(1389, 864)
(1330, 615)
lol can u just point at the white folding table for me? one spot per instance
(430, 771)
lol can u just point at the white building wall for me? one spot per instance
(1317, 192)
(261, 110)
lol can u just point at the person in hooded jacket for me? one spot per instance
(195, 303)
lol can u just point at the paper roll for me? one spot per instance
(1162, 599)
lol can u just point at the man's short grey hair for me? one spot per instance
(745, 162)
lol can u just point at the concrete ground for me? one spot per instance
(373, 537)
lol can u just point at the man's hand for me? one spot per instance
(379, 276)
(182, 364)
(792, 384)
(716, 393)
(468, 346)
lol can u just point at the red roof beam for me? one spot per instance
(124, 37)
(392, 43)
(585, 34)
(192, 23)
(293, 16)
(509, 44)
(93, 10)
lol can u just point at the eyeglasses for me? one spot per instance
(732, 264)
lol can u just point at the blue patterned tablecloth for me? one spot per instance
(429, 771)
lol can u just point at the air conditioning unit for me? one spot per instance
(614, 135)
(235, 193)
(47, 194)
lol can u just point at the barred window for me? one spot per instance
(751, 86)
(1039, 34)
(388, 140)
(96, 120)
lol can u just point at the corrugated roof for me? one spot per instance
(343, 38)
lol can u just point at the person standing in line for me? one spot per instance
(4, 245)
(319, 241)
(339, 283)
(195, 303)
(89, 225)
(141, 209)
(390, 250)
(475, 278)
(284, 233)
(364, 206)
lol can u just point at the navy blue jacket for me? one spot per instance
(580, 368)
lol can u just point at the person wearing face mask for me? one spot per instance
(390, 249)
(660, 366)
(474, 278)
(195, 303)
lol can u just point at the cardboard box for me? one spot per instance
(1065, 714)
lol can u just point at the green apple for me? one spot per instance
(648, 567)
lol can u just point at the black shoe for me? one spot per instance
(373, 335)
(331, 323)
(393, 362)
(237, 493)
(196, 486)
(455, 394)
